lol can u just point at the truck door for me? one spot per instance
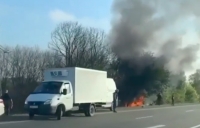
(68, 101)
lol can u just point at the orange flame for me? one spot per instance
(137, 102)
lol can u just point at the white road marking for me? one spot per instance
(147, 109)
(20, 115)
(189, 111)
(143, 117)
(198, 126)
(157, 126)
(12, 122)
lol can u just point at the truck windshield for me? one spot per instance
(49, 87)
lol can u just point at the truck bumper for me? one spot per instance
(41, 109)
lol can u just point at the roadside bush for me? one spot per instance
(186, 94)
(179, 95)
(191, 94)
(167, 94)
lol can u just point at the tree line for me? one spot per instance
(75, 45)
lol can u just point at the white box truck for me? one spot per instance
(65, 89)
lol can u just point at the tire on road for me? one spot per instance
(90, 110)
(59, 112)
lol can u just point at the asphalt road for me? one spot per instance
(187, 116)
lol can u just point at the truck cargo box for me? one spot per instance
(89, 86)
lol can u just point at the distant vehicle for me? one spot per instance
(68, 89)
(1, 107)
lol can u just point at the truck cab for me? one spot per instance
(50, 98)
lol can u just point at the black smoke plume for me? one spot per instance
(158, 27)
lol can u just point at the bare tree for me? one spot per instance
(80, 46)
(5, 66)
(97, 52)
(65, 38)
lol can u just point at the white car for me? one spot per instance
(1, 107)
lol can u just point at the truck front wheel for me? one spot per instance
(90, 110)
(59, 112)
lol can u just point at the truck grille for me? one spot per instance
(35, 103)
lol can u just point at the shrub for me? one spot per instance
(179, 94)
(191, 94)
(185, 94)
(167, 94)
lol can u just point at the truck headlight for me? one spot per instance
(47, 102)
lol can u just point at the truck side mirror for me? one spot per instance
(64, 91)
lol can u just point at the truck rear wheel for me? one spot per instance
(90, 110)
